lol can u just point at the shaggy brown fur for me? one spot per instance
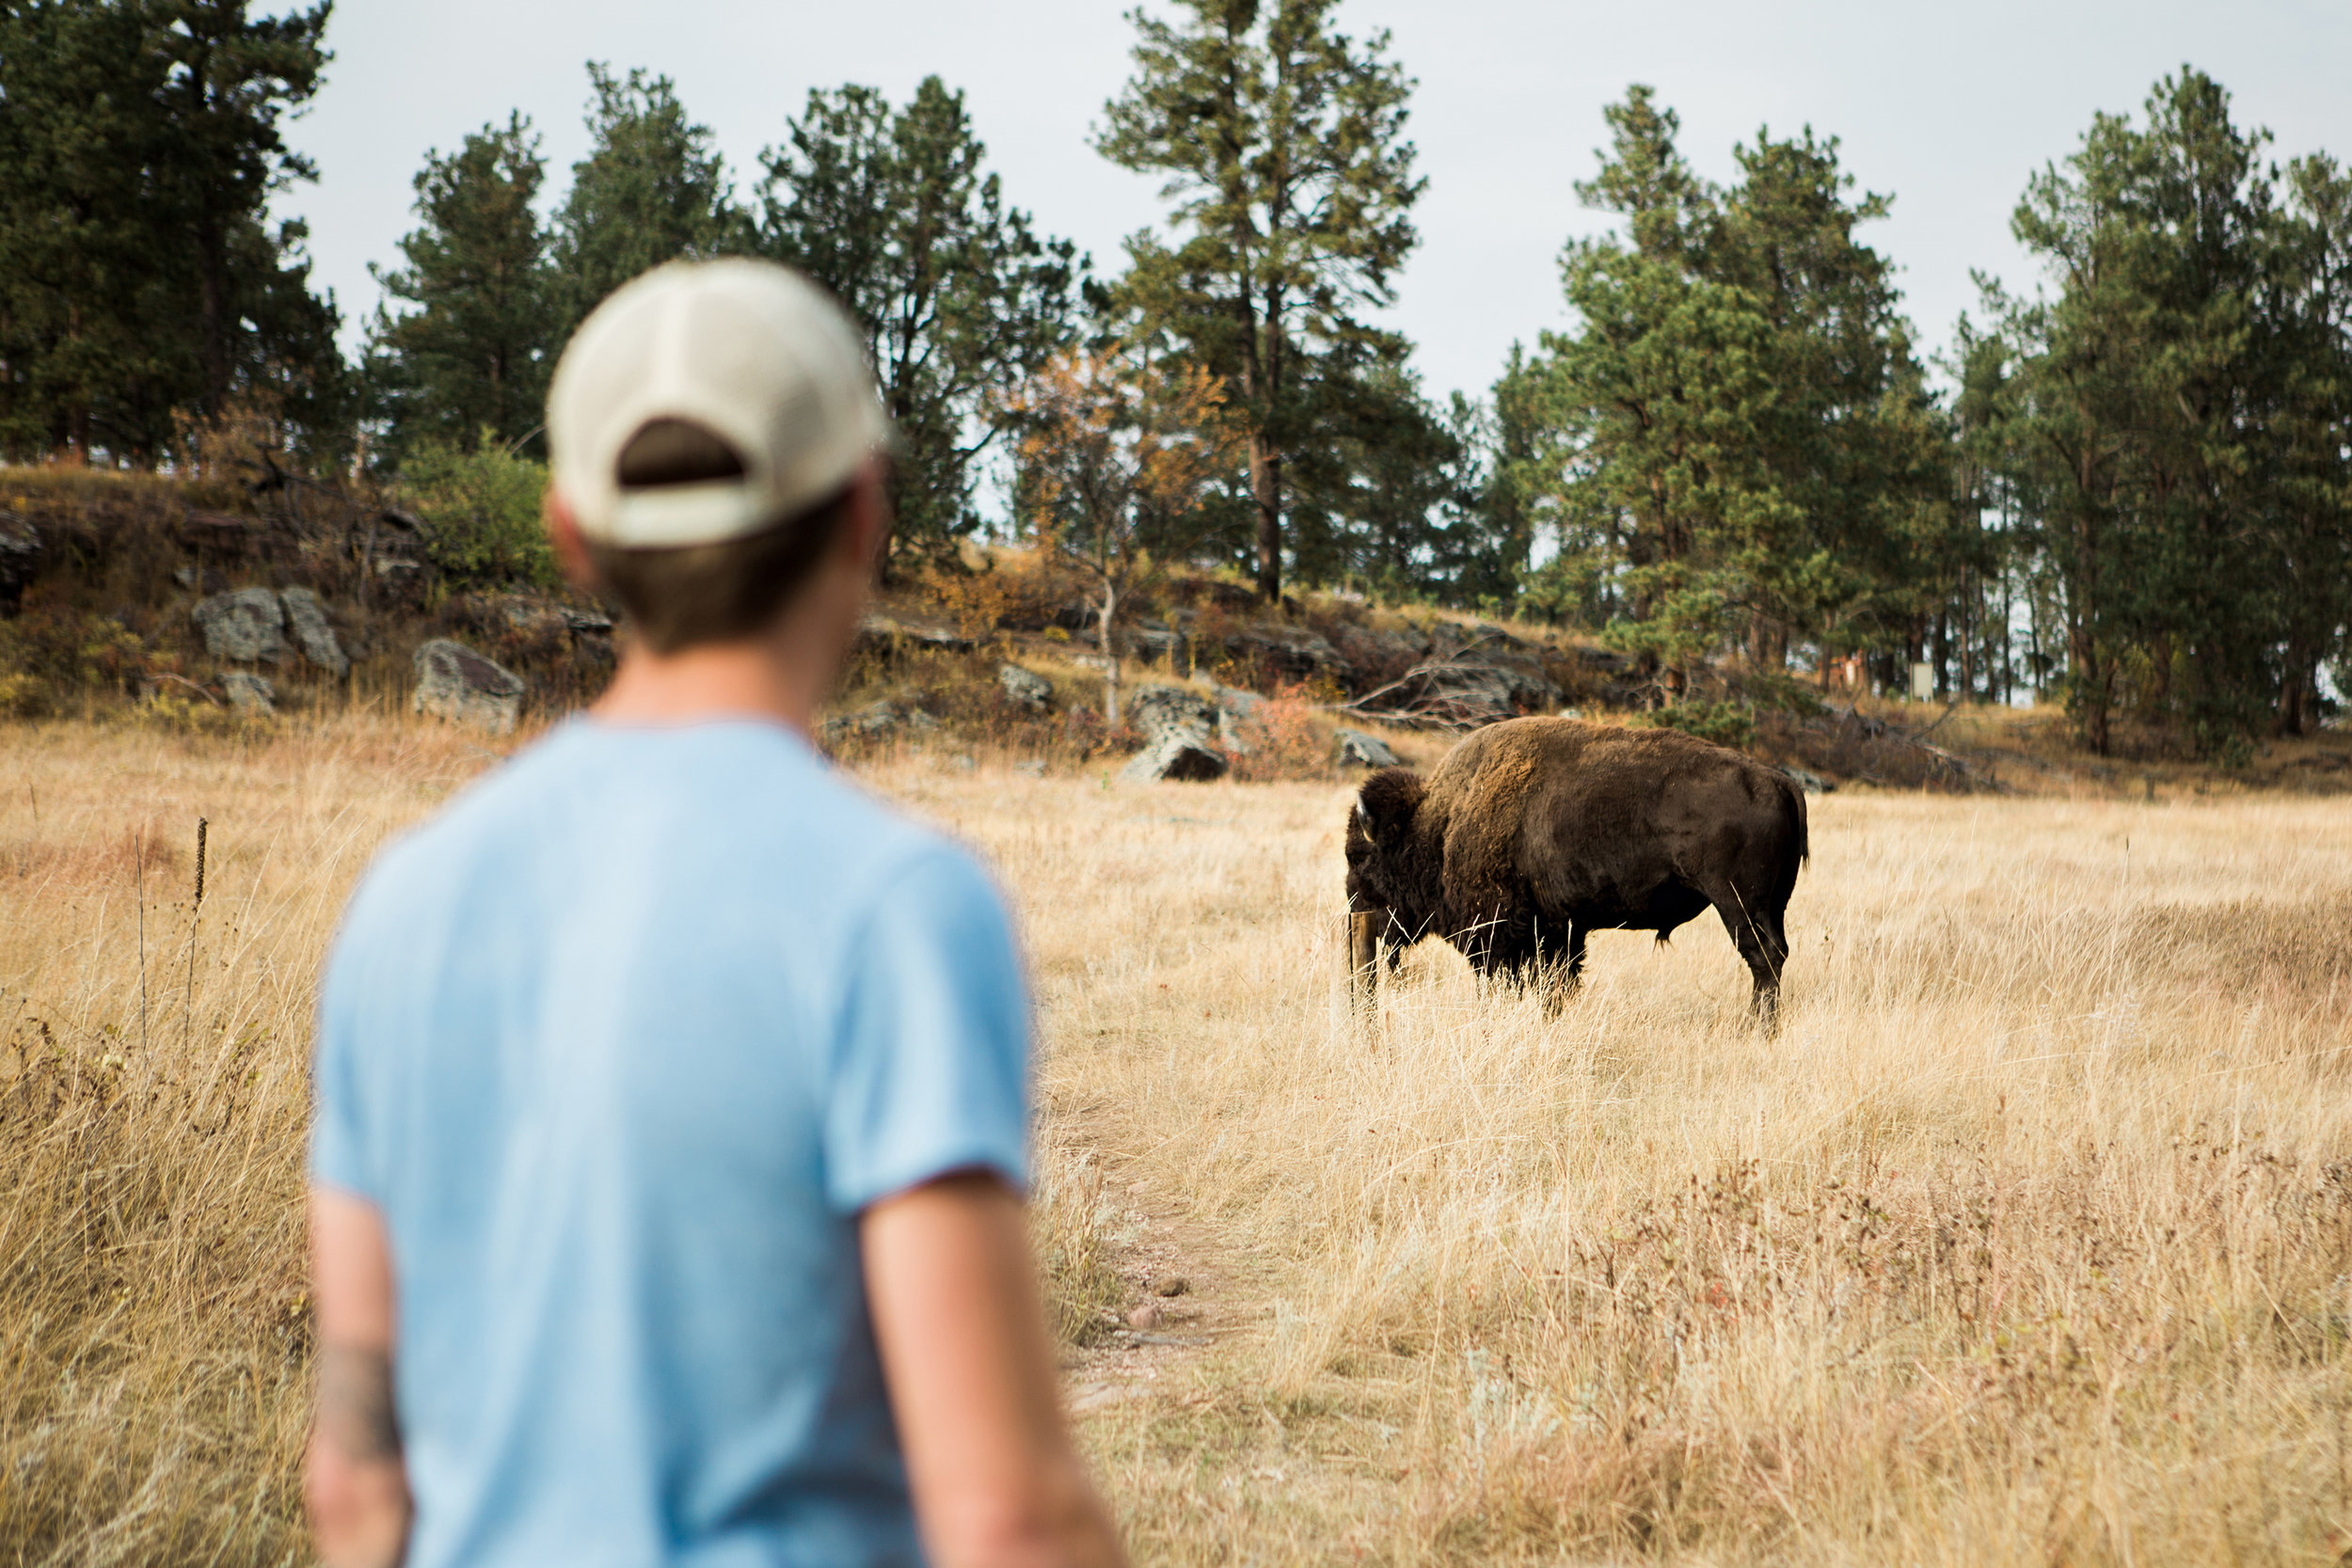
(1534, 831)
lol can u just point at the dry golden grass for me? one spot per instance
(2027, 1239)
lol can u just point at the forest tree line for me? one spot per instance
(2126, 490)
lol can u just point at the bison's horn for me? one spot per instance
(1363, 817)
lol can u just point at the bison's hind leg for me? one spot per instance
(1758, 933)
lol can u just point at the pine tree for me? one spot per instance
(2145, 418)
(894, 210)
(1736, 447)
(228, 80)
(652, 189)
(474, 354)
(1283, 146)
(143, 289)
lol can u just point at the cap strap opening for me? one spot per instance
(672, 452)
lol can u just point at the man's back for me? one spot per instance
(620, 1046)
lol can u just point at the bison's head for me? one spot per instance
(1383, 850)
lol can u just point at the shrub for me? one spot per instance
(483, 507)
(1283, 737)
(64, 649)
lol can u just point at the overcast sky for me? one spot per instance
(1947, 107)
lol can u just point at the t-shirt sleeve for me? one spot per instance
(931, 1074)
(338, 1145)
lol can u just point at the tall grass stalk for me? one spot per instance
(196, 916)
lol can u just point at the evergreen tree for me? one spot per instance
(652, 189)
(2173, 415)
(894, 210)
(474, 353)
(227, 81)
(143, 292)
(2308, 302)
(89, 358)
(1735, 447)
(1283, 146)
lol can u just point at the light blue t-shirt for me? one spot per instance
(620, 1044)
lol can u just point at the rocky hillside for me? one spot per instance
(219, 606)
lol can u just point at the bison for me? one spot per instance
(1534, 831)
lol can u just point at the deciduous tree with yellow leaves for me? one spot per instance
(1117, 454)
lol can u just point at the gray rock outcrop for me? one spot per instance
(1183, 756)
(882, 631)
(1157, 643)
(1158, 710)
(20, 557)
(1356, 749)
(1025, 688)
(874, 720)
(249, 692)
(1286, 650)
(243, 627)
(1375, 657)
(457, 684)
(1179, 725)
(307, 618)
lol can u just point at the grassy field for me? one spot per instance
(2029, 1239)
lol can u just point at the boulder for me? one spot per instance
(1485, 645)
(245, 626)
(1178, 754)
(455, 683)
(1356, 749)
(1453, 693)
(876, 720)
(249, 692)
(20, 557)
(882, 631)
(1025, 688)
(1157, 643)
(1286, 650)
(1532, 689)
(1375, 658)
(1178, 725)
(1234, 699)
(307, 618)
(1162, 710)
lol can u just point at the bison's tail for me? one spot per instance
(1796, 809)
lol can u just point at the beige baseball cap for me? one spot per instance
(748, 353)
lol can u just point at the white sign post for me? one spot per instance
(1923, 683)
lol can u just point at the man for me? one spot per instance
(671, 1095)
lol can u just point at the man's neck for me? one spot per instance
(780, 677)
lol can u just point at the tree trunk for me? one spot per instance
(1265, 488)
(1111, 660)
(2092, 682)
(212, 320)
(2298, 693)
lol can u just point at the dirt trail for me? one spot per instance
(1201, 1302)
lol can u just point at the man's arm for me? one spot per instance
(950, 1283)
(354, 1482)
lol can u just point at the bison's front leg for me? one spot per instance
(1363, 948)
(1559, 968)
